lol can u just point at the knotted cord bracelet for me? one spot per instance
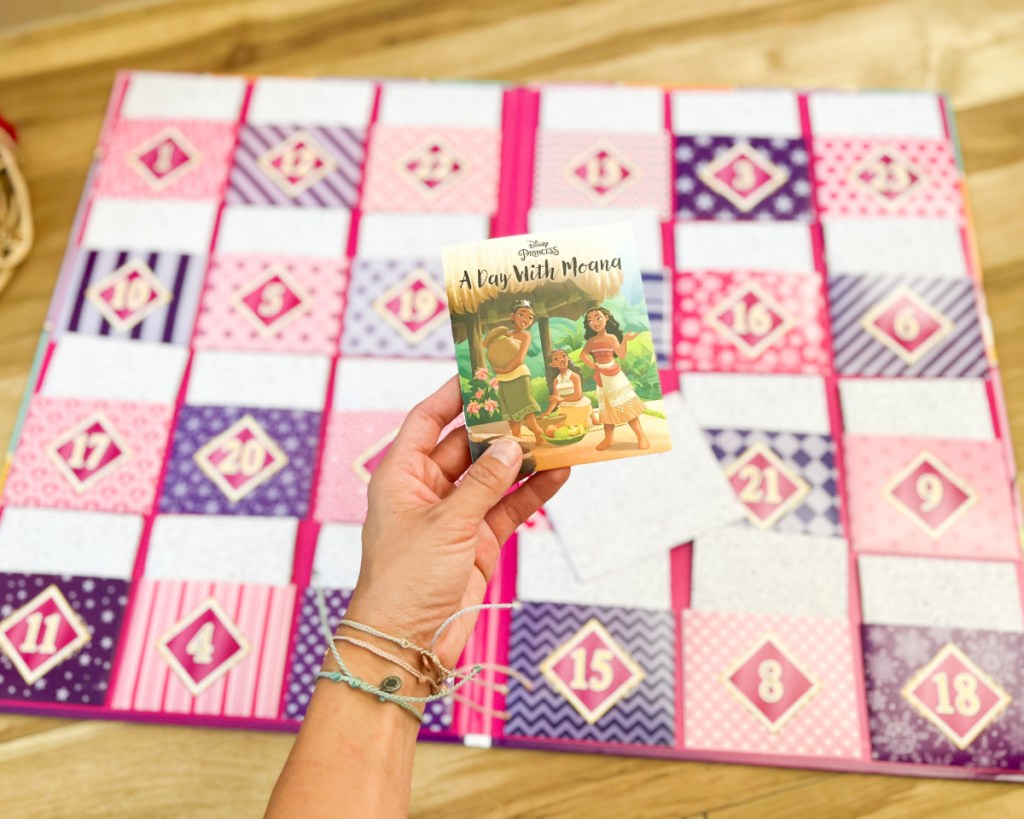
(343, 675)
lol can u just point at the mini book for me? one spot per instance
(554, 346)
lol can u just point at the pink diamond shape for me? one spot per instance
(956, 696)
(907, 325)
(743, 175)
(601, 171)
(888, 176)
(770, 683)
(432, 166)
(129, 294)
(164, 158)
(765, 485)
(750, 319)
(592, 671)
(296, 163)
(203, 646)
(241, 458)
(87, 452)
(368, 461)
(414, 306)
(930, 494)
(42, 634)
(272, 300)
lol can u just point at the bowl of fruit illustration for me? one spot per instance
(565, 435)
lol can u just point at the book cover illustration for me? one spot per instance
(554, 345)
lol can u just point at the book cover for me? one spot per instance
(554, 346)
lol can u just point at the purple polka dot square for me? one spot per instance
(397, 309)
(776, 185)
(80, 678)
(284, 492)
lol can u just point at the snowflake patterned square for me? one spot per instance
(723, 177)
(280, 303)
(89, 454)
(769, 684)
(354, 446)
(939, 696)
(240, 461)
(57, 637)
(592, 170)
(784, 481)
(427, 169)
(308, 647)
(915, 178)
(749, 322)
(135, 294)
(308, 166)
(397, 309)
(930, 497)
(205, 648)
(906, 326)
(146, 159)
(599, 674)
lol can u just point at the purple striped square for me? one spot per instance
(325, 166)
(954, 350)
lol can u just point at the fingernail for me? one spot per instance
(506, 451)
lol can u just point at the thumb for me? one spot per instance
(488, 479)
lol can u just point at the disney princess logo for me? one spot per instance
(535, 247)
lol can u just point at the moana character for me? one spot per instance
(617, 401)
(515, 393)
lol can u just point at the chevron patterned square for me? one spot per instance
(906, 326)
(786, 481)
(600, 674)
(769, 684)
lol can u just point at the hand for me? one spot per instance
(429, 547)
(629, 336)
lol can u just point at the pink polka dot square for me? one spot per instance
(586, 170)
(748, 322)
(166, 159)
(278, 303)
(770, 684)
(354, 446)
(923, 496)
(89, 454)
(887, 177)
(429, 169)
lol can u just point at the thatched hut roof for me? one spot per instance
(547, 277)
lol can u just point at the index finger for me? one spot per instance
(422, 426)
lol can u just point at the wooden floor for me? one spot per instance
(54, 83)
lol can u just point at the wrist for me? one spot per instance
(379, 663)
(366, 609)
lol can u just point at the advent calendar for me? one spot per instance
(824, 572)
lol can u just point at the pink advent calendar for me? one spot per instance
(825, 572)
